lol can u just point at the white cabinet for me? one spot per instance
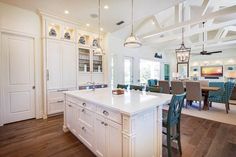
(61, 65)
(61, 72)
(108, 138)
(72, 118)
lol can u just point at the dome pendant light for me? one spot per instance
(99, 51)
(132, 41)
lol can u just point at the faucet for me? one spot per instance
(93, 85)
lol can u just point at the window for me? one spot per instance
(128, 70)
(149, 70)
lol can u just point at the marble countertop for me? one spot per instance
(131, 102)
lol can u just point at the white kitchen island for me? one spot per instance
(128, 125)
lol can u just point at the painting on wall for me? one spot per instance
(183, 70)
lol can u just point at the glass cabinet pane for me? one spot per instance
(97, 63)
(84, 60)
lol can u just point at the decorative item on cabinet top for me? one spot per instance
(52, 32)
(67, 35)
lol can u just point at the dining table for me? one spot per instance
(205, 92)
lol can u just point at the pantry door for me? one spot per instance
(18, 81)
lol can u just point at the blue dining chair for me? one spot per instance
(152, 82)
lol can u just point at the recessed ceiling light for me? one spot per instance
(101, 29)
(87, 24)
(66, 12)
(106, 7)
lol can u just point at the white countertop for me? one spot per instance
(131, 102)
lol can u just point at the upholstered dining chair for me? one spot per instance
(121, 86)
(204, 83)
(232, 100)
(177, 87)
(152, 82)
(216, 96)
(154, 89)
(172, 119)
(135, 87)
(193, 93)
(165, 86)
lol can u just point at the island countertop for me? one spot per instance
(130, 103)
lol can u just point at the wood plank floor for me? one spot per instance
(42, 138)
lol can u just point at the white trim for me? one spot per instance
(1, 82)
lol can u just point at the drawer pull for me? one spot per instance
(105, 113)
(83, 128)
(60, 101)
(102, 123)
(62, 90)
(83, 110)
(69, 105)
(84, 104)
(105, 124)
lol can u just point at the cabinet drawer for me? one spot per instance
(54, 96)
(83, 104)
(56, 107)
(86, 117)
(112, 115)
(86, 135)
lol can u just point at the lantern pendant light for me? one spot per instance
(99, 51)
(132, 41)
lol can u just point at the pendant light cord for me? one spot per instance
(182, 21)
(132, 18)
(99, 21)
(203, 36)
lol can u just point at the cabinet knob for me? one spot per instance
(105, 113)
(83, 110)
(69, 105)
(83, 128)
(105, 124)
(84, 104)
(102, 123)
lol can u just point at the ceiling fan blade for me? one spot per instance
(195, 54)
(215, 52)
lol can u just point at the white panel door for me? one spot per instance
(69, 65)
(54, 65)
(18, 65)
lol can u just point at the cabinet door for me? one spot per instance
(68, 65)
(113, 139)
(71, 118)
(100, 136)
(54, 64)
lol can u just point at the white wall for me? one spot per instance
(116, 48)
(22, 22)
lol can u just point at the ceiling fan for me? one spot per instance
(204, 52)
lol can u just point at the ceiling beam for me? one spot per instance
(205, 6)
(192, 32)
(206, 17)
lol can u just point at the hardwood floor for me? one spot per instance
(42, 138)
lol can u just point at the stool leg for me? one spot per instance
(169, 142)
(178, 138)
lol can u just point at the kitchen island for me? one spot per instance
(128, 125)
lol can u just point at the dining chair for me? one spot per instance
(172, 119)
(204, 83)
(152, 82)
(135, 87)
(154, 89)
(216, 96)
(121, 86)
(177, 87)
(193, 93)
(232, 100)
(165, 86)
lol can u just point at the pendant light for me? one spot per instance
(183, 53)
(99, 51)
(132, 41)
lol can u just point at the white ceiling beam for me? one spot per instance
(156, 22)
(219, 33)
(177, 14)
(191, 32)
(138, 27)
(205, 6)
(218, 13)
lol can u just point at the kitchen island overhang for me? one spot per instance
(128, 125)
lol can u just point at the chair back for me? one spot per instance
(154, 89)
(177, 87)
(121, 86)
(152, 82)
(175, 108)
(233, 95)
(218, 93)
(204, 83)
(229, 86)
(193, 91)
(165, 86)
(135, 87)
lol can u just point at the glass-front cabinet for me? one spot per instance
(97, 63)
(84, 60)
